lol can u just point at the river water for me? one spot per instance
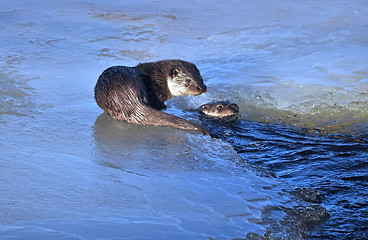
(294, 166)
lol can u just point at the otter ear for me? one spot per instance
(175, 72)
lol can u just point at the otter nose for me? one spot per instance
(234, 106)
(202, 89)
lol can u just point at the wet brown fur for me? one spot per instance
(220, 109)
(136, 94)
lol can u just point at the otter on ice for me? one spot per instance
(220, 109)
(136, 94)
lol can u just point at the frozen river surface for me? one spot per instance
(298, 71)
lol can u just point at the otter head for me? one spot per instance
(186, 80)
(219, 109)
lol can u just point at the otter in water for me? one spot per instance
(136, 94)
(216, 115)
(219, 110)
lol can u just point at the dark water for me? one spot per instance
(331, 170)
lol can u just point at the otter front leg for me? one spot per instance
(151, 116)
(144, 115)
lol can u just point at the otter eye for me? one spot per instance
(219, 107)
(188, 80)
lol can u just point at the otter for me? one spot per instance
(136, 94)
(217, 115)
(219, 110)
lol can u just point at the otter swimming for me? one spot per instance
(220, 109)
(135, 94)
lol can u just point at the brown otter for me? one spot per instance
(135, 94)
(220, 109)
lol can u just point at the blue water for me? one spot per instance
(297, 70)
